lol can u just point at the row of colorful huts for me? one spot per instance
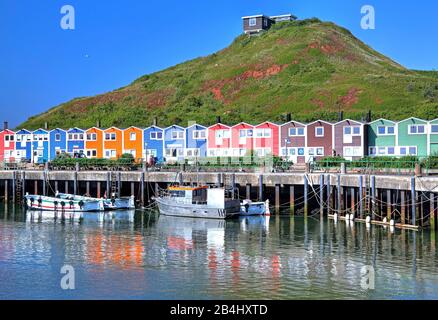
(293, 140)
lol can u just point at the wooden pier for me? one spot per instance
(409, 201)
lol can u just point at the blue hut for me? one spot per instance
(174, 143)
(40, 146)
(57, 142)
(153, 143)
(196, 141)
(23, 145)
(75, 142)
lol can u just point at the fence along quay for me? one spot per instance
(401, 198)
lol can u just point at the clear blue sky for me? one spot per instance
(115, 41)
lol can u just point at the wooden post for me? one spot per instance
(35, 184)
(277, 198)
(44, 183)
(353, 201)
(389, 204)
(142, 188)
(6, 191)
(24, 185)
(132, 189)
(414, 202)
(66, 186)
(157, 189)
(292, 199)
(119, 184)
(75, 183)
(14, 189)
(108, 185)
(403, 206)
(329, 195)
(306, 193)
(261, 187)
(321, 195)
(98, 189)
(432, 211)
(56, 186)
(373, 197)
(339, 196)
(248, 191)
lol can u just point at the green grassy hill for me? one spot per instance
(308, 68)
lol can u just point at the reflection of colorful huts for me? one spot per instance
(293, 141)
(75, 141)
(57, 142)
(349, 139)
(196, 141)
(267, 139)
(133, 142)
(40, 146)
(433, 140)
(219, 140)
(174, 143)
(242, 139)
(412, 137)
(153, 143)
(94, 143)
(23, 145)
(7, 145)
(112, 143)
(382, 138)
(319, 139)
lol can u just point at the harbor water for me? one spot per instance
(148, 256)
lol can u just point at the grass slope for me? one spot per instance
(308, 68)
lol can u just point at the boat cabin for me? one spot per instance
(203, 195)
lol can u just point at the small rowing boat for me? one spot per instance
(127, 203)
(72, 204)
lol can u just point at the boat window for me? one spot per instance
(177, 193)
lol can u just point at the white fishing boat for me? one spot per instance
(197, 202)
(72, 204)
(126, 203)
(250, 208)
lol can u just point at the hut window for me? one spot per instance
(91, 137)
(252, 22)
(319, 131)
(434, 128)
(133, 136)
(58, 137)
(319, 151)
(391, 150)
(110, 136)
(156, 135)
(412, 151)
(199, 134)
(416, 129)
(177, 135)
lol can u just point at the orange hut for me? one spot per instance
(133, 142)
(112, 143)
(94, 143)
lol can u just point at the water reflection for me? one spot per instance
(151, 256)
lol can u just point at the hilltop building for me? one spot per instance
(257, 23)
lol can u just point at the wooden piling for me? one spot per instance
(339, 197)
(14, 188)
(56, 186)
(98, 191)
(277, 198)
(119, 184)
(373, 197)
(248, 191)
(6, 191)
(261, 187)
(414, 203)
(35, 184)
(132, 189)
(329, 195)
(87, 187)
(353, 201)
(432, 211)
(108, 185)
(142, 189)
(292, 199)
(306, 196)
(388, 204)
(66, 186)
(403, 206)
(44, 183)
(75, 183)
(321, 195)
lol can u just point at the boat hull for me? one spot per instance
(253, 209)
(40, 203)
(170, 208)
